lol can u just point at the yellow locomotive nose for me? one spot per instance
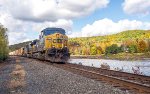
(56, 40)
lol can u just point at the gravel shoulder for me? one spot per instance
(41, 78)
(5, 70)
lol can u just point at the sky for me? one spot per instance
(80, 18)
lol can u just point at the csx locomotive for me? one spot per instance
(52, 45)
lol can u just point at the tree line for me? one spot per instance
(3, 43)
(132, 41)
(130, 46)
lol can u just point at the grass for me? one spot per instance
(128, 56)
(119, 56)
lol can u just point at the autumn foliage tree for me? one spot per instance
(93, 50)
(142, 46)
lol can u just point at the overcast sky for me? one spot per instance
(80, 18)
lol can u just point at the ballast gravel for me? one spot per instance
(43, 78)
(5, 70)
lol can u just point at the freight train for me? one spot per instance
(52, 45)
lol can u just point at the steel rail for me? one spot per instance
(124, 75)
(115, 80)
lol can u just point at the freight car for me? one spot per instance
(52, 45)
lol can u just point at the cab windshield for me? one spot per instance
(50, 31)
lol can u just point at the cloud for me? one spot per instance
(75, 34)
(16, 29)
(107, 26)
(18, 37)
(20, 31)
(26, 18)
(51, 10)
(137, 7)
(61, 23)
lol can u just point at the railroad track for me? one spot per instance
(140, 85)
(126, 81)
(123, 75)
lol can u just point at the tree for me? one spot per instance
(142, 47)
(3, 43)
(132, 48)
(122, 48)
(148, 42)
(99, 50)
(113, 49)
(93, 50)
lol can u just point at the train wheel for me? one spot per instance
(41, 56)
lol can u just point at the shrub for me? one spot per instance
(113, 49)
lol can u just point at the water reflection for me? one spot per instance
(141, 67)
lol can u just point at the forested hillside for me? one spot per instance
(3, 43)
(18, 46)
(127, 40)
(131, 41)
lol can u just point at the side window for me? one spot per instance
(42, 38)
(42, 34)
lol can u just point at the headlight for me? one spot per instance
(49, 39)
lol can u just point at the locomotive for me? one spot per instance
(52, 45)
